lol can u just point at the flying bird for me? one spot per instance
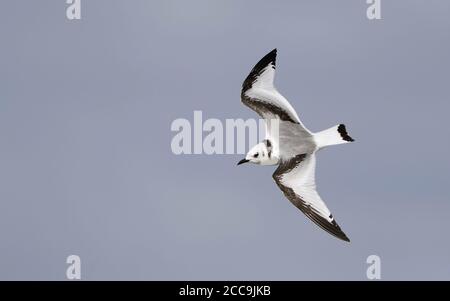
(290, 145)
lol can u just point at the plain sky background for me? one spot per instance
(86, 166)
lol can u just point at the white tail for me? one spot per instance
(332, 136)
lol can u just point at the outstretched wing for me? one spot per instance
(284, 129)
(259, 93)
(295, 178)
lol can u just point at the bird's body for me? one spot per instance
(289, 144)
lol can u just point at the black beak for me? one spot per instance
(243, 161)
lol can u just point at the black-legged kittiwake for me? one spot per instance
(291, 145)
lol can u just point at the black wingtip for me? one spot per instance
(343, 131)
(341, 235)
(271, 57)
(268, 59)
(337, 232)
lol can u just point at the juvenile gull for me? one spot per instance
(291, 146)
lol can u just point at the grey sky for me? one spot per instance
(85, 160)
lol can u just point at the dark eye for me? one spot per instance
(256, 155)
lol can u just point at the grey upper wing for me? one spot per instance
(295, 178)
(259, 94)
(283, 127)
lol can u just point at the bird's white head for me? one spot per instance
(260, 154)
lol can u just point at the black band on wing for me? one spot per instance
(287, 166)
(262, 108)
(257, 105)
